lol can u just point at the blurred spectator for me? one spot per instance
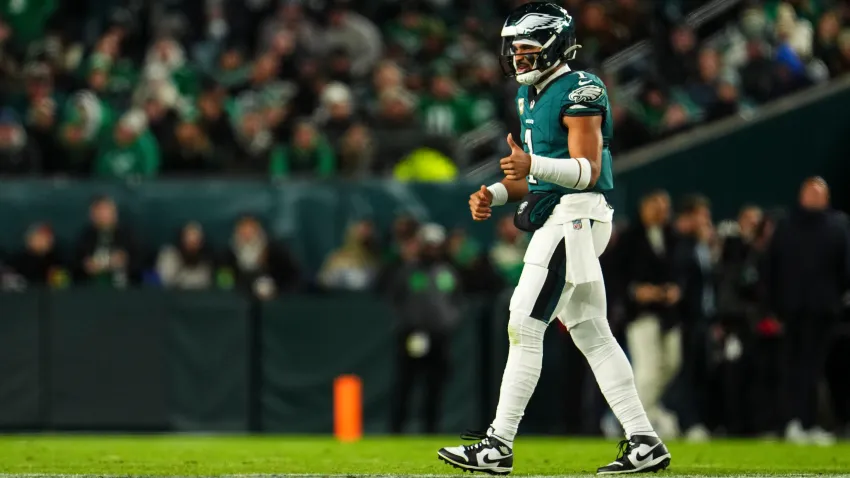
(600, 37)
(694, 270)
(291, 20)
(425, 293)
(476, 272)
(188, 263)
(508, 252)
(633, 20)
(387, 76)
(159, 109)
(645, 257)
(742, 319)
(336, 114)
(194, 151)
(256, 150)
(396, 130)
(703, 88)
(258, 264)
(485, 90)
(232, 70)
(213, 121)
(656, 110)
(757, 75)
(408, 32)
(445, 110)
(27, 20)
(726, 103)
(39, 263)
(166, 64)
(106, 252)
(308, 153)
(808, 273)
(39, 113)
(354, 34)
(86, 123)
(131, 151)
(795, 34)
(18, 155)
(404, 230)
(682, 66)
(354, 266)
(826, 43)
(356, 152)
(738, 243)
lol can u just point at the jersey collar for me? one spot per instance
(561, 71)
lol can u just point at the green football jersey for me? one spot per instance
(576, 93)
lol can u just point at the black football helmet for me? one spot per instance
(542, 24)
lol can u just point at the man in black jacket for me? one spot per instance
(646, 279)
(107, 251)
(808, 274)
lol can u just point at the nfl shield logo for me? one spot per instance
(577, 224)
(521, 105)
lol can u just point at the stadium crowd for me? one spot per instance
(120, 88)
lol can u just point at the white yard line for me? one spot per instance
(283, 475)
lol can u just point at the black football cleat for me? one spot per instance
(489, 455)
(639, 454)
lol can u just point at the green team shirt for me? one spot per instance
(576, 93)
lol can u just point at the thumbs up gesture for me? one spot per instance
(518, 164)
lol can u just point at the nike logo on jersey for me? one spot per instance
(584, 82)
(643, 457)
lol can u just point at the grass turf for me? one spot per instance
(170, 455)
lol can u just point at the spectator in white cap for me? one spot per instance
(336, 114)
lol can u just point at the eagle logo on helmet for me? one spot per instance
(536, 21)
(586, 93)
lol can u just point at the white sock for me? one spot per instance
(525, 359)
(613, 374)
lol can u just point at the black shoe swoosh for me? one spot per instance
(488, 461)
(650, 452)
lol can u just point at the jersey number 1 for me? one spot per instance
(530, 178)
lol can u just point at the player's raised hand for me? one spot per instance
(518, 164)
(479, 204)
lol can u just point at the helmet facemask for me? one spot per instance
(550, 31)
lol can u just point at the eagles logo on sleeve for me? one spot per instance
(586, 93)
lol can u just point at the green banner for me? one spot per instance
(20, 360)
(147, 359)
(309, 342)
(208, 358)
(107, 360)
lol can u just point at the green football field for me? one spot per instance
(170, 455)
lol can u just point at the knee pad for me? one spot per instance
(525, 331)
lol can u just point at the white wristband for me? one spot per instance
(573, 173)
(500, 194)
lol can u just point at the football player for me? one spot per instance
(561, 175)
